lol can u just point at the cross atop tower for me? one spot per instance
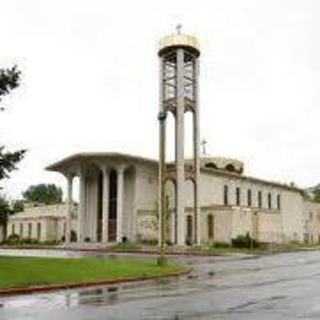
(178, 28)
(203, 144)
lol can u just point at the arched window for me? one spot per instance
(211, 165)
(225, 196)
(210, 226)
(249, 200)
(269, 201)
(238, 196)
(260, 199)
(230, 167)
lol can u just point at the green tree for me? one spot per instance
(5, 211)
(9, 80)
(43, 193)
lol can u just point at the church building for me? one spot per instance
(202, 200)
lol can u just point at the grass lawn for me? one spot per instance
(26, 272)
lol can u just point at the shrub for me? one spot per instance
(126, 246)
(73, 236)
(220, 245)
(246, 241)
(29, 241)
(149, 242)
(13, 239)
(50, 242)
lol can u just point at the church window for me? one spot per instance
(269, 201)
(225, 196)
(260, 199)
(238, 196)
(189, 229)
(249, 198)
(29, 230)
(210, 226)
(39, 231)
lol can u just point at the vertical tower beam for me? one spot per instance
(179, 148)
(196, 152)
(162, 159)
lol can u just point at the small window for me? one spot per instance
(238, 196)
(278, 202)
(269, 201)
(13, 230)
(225, 196)
(259, 199)
(249, 198)
(210, 226)
(39, 231)
(189, 229)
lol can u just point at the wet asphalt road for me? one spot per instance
(285, 286)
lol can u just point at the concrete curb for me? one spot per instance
(110, 251)
(49, 288)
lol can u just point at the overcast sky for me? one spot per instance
(90, 81)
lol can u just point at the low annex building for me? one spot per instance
(42, 222)
(119, 193)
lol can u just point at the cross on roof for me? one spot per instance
(178, 28)
(203, 144)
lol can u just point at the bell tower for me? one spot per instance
(179, 72)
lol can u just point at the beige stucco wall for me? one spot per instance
(311, 225)
(267, 225)
(52, 219)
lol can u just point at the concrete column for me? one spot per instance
(70, 208)
(179, 151)
(162, 159)
(196, 155)
(105, 204)
(120, 189)
(82, 206)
